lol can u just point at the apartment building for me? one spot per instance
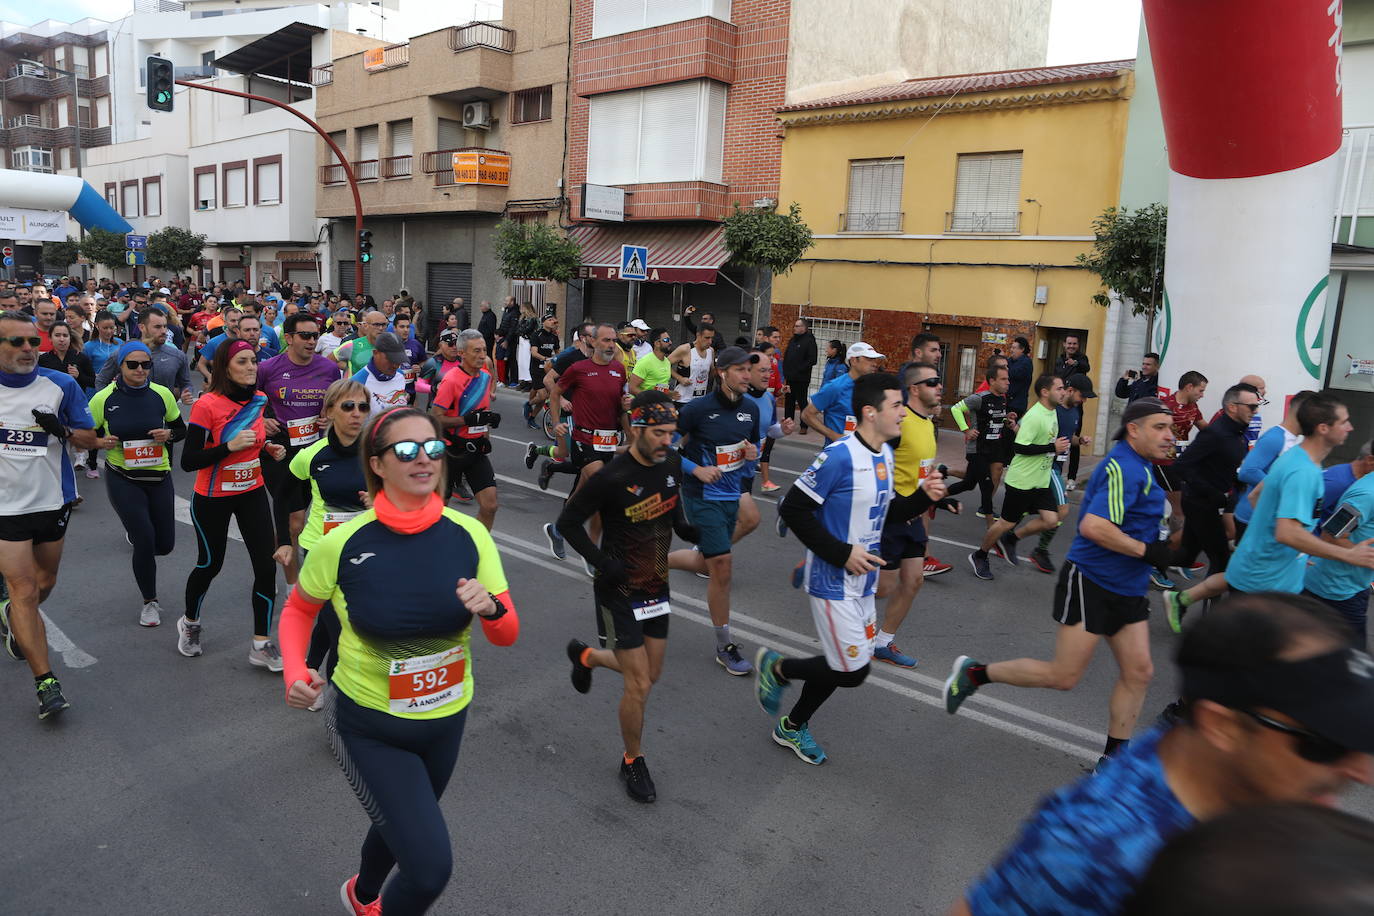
(446, 134)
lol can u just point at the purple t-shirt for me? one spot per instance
(296, 395)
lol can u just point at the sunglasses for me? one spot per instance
(137, 364)
(307, 335)
(360, 406)
(408, 449)
(1253, 405)
(448, 339)
(20, 341)
(933, 382)
(1309, 745)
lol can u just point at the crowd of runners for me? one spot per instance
(339, 436)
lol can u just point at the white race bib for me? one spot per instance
(303, 431)
(17, 442)
(142, 453)
(333, 520)
(241, 476)
(427, 681)
(646, 610)
(730, 457)
(604, 440)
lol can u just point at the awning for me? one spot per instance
(677, 254)
(284, 54)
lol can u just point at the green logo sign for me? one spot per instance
(1311, 326)
(1164, 328)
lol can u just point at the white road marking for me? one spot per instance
(72, 655)
(183, 514)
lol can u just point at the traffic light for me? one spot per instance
(245, 255)
(160, 84)
(365, 246)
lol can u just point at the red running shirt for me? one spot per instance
(1184, 418)
(223, 419)
(595, 391)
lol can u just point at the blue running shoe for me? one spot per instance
(797, 572)
(768, 686)
(894, 656)
(555, 540)
(728, 657)
(1161, 581)
(799, 741)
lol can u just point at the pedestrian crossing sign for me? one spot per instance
(634, 262)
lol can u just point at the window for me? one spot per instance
(236, 184)
(83, 114)
(451, 134)
(152, 196)
(367, 143)
(987, 193)
(128, 199)
(875, 195)
(205, 187)
(611, 17)
(663, 133)
(111, 194)
(402, 137)
(267, 180)
(529, 105)
(31, 159)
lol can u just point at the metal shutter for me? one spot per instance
(443, 281)
(987, 193)
(367, 143)
(605, 300)
(346, 270)
(451, 134)
(613, 138)
(875, 195)
(612, 17)
(402, 143)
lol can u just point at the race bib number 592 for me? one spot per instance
(427, 681)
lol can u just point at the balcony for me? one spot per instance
(872, 221)
(669, 200)
(442, 165)
(985, 222)
(477, 182)
(322, 75)
(376, 60)
(397, 166)
(481, 35)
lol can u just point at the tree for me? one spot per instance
(60, 255)
(1128, 255)
(104, 247)
(175, 249)
(535, 250)
(764, 239)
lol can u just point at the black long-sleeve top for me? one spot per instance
(1208, 466)
(85, 372)
(717, 341)
(1143, 387)
(800, 356)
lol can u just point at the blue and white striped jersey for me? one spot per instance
(853, 486)
(34, 466)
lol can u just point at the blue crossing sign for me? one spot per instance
(634, 262)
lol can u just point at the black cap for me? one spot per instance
(1080, 383)
(1138, 410)
(735, 356)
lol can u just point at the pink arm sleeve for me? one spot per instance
(502, 631)
(293, 631)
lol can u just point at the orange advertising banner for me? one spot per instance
(374, 58)
(481, 168)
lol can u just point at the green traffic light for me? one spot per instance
(164, 96)
(366, 257)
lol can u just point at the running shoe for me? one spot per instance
(638, 785)
(1070, 485)
(531, 454)
(959, 686)
(799, 741)
(934, 567)
(268, 657)
(798, 572)
(355, 906)
(50, 698)
(780, 526)
(581, 674)
(769, 487)
(981, 567)
(1041, 560)
(588, 568)
(1161, 581)
(1174, 610)
(728, 657)
(188, 638)
(766, 683)
(984, 513)
(545, 474)
(92, 473)
(151, 615)
(704, 575)
(11, 644)
(556, 545)
(1006, 549)
(462, 493)
(1189, 573)
(529, 417)
(894, 656)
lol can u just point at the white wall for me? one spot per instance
(290, 222)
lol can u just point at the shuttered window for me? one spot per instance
(875, 195)
(129, 199)
(346, 272)
(236, 187)
(444, 281)
(987, 193)
(367, 143)
(612, 17)
(205, 191)
(674, 132)
(402, 143)
(267, 181)
(450, 134)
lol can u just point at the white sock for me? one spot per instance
(259, 643)
(883, 639)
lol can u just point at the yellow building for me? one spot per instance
(956, 205)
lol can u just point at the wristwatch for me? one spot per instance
(500, 608)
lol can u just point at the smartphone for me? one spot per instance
(1343, 521)
(1131, 373)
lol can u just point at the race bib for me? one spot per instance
(411, 372)
(427, 681)
(927, 465)
(142, 453)
(241, 476)
(303, 431)
(16, 442)
(604, 440)
(850, 424)
(730, 457)
(475, 430)
(994, 431)
(646, 610)
(698, 386)
(333, 520)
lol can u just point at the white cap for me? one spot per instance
(165, 291)
(99, 296)
(862, 349)
(250, 292)
(639, 323)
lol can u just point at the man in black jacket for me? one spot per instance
(707, 319)
(1143, 384)
(505, 333)
(1074, 361)
(486, 326)
(797, 363)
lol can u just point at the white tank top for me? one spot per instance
(701, 375)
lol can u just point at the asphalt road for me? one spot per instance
(179, 785)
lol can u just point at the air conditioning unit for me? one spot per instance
(477, 115)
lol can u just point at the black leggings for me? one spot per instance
(1204, 531)
(399, 769)
(147, 509)
(210, 515)
(795, 400)
(821, 681)
(767, 450)
(977, 474)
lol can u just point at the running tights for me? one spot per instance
(399, 769)
(821, 681)
(979, 474)
(147, 509)
(210, 515)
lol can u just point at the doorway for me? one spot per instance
(959, 367)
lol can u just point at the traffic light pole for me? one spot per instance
(338, 153)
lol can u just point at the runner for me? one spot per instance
(340, 330)
(720, 435)
(830, 410)
(636, 496)
(1183, 405)
(770, 430)
(838, 508)
(382, 376)
(354, 355)
(136, 419)
(544, 344)
(653, 371)
(1030, 485)
(42, 411)
(983, 436)
(1069, 417)
(404, 680)
(462, 408)
(1342, 586)
(580, 349)
(1104, 584)
(433, 370)
(231, 316)
(692, 364)
(224, 447)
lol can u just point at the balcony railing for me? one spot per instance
(396, 166)
(322, 75)
(28, 69)
(332, 174)
(872, 221)
(992, 222)
(439, 163)
(366, 169)
(1355, 196)
(388, 58)
(481, 35)
(30, 120)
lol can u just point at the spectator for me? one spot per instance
(798, 360)
(1019, 369)
(1143, 384)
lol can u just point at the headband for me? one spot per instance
(377, 424)
(238, 346)
(658, 413)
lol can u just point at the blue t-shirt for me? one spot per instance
(1332, 578)
(1292, 489)
(1336, 480)
(768, 410)
(835, 401)
(1268, 447)
(853, 486)
(1089, 844)
(1122, 490)
(714, 434)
